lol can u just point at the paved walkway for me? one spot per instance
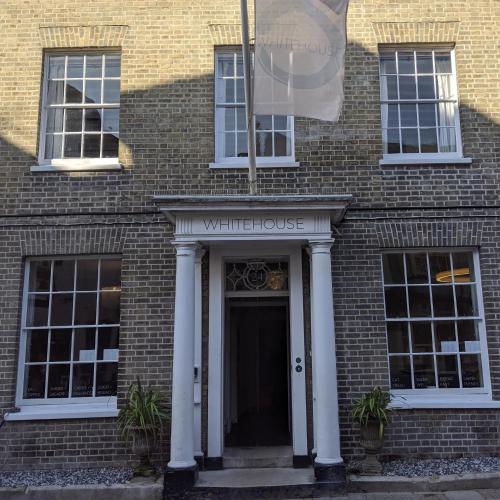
(448, 495)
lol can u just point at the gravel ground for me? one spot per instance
(105, 475)
(434, 467)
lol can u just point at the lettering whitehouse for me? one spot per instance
(251, 224)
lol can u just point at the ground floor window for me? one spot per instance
(435, 321)
(70, 330)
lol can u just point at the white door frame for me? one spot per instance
(218, 255)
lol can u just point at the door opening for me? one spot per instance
(257, 368)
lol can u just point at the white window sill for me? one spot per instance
(407, 402)
(424, 160)
(270, 164)
(103, 166)
(58, 412)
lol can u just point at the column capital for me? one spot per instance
(187, 248)
(320, 246)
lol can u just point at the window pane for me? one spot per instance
(388, 63)
(392, 145)
(282, 122)
(106, 379)
(36, 346)
(86, 274)
(111, 274)
(241, 119)
(240, 90)
(428, 140)
(107, 348)
(38, 310)
(111, 122)
(419, 299)
(74, 120)
(421, 336)
(466, 300)
(56, 66)
(93, 91)
(93, 118)
(111, 91)
(426, 87)
(109, 308)
(390, 115)
(55, 119)
(92, 145)
(225, 65)
(407, 88)
(444, 334)
(39, 276)
(93, 67)
(409, 138)
(263, 122)
(393, 268)
(397, 336)
(53, 146)
(64, 275)
(85, 308)
(447, 140)
(408, 115)
(400, 372)
(264, 143)
(395, 302)
(112, 65)
(443, 87)
(74, 91)
(73, 146)
(446, 114)
(423, 372)
(416, 268)
(34, 382)
(443, 63)
(230, 145)
(427, 115)
(468, 336)
(229, 119)
(463, 267)
(447, 372)
(424, 62)
(62, 309)
(440, 267)
(241, 145)
(442, 301)
(58, 381)
(75, 67)
(84, 344)
(225, 91)
(282, 144)
(83, 380)
(55, 93)
(471, 370)
(406, 63)
(60, 345)
(389, 87)
(110, 145)
(239, 65)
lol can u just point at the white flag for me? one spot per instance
(299, 57)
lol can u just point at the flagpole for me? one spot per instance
(247, 72)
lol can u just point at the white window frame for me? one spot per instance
(69, 164)
(56, 408)
(419, 158)
(222, 161)
(442, 397)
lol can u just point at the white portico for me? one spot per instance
(253, 234)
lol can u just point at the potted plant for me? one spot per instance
(372, 413)
(141, 423)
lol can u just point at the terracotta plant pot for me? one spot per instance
(372, 442)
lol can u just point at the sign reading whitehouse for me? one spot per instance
(259, 224)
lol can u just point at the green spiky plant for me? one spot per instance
(143, 418)
(373, 406)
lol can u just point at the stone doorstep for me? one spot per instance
(472, 481)
(137, 489)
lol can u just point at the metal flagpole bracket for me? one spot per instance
(247, 72)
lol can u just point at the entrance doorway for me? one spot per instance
(257, 373)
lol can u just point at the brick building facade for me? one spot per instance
(430, 194)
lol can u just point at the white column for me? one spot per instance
(324, 359)
(182, 425)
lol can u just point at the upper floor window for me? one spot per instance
(419, 104)
(70, 331)
(274, 134)
(80, 107)
(435, 322)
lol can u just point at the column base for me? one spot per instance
(214, 463)
(179, 480)
(330, 473)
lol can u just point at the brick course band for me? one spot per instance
(417, 32)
